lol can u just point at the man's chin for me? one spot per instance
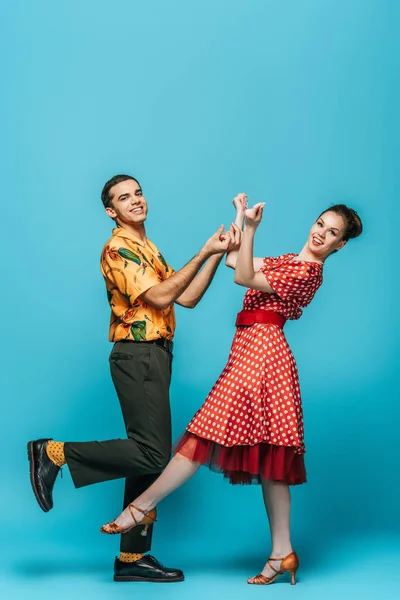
(138, 220)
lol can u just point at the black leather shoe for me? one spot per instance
(43, 473)
(146, 569)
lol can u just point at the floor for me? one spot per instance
(366, 567)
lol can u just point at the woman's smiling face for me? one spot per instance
(326, 235)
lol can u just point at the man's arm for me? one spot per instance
(167, 292)
(196, 290)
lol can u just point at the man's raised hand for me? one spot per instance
(236, 238)
(219, 242)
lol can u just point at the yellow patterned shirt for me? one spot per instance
(131, 267)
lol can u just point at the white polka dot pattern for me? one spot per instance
(295, 284)
(257, 396)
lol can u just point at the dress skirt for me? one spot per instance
(251, 425)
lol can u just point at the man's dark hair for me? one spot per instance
(105, 192)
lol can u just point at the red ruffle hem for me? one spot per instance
(245, 464)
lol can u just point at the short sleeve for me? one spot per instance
(167, 267)
(128, 272)
(295, 280)
(267, 263)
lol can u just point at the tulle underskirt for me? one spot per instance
(245, 464)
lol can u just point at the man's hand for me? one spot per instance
(254, 215)
(218, 243)
(240, 203)
(236, 238)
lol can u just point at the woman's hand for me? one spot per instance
(253, 215)
(240, 203)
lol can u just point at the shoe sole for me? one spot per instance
(32, 477)
(148, 579)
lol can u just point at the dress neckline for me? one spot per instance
(311, 262)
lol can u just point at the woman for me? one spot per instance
(251, 424)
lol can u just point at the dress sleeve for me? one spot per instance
(128, 271)
(295, 280)
(267, 262)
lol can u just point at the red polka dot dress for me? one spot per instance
(251, 424)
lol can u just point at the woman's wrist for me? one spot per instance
(250, 229)
(239, 218)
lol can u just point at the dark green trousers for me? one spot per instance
(141, 374)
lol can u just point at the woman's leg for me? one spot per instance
(177, 472)
(277, 502)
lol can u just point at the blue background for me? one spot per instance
(294, 102)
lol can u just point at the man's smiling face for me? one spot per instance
(127, 203)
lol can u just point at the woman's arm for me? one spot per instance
(245, 273)
(240, 203)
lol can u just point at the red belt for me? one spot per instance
(249, 317)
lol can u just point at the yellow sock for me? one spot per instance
(129, 557)
(55, 452)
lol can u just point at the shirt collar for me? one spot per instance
(127, 235)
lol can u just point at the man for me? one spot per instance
(142, 289)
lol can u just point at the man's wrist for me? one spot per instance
(204, 254)
(219, 255)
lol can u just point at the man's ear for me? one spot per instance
(111, 212)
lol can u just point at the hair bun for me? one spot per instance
(355, 227)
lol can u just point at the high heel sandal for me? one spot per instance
(289, 564)
(148, 519)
